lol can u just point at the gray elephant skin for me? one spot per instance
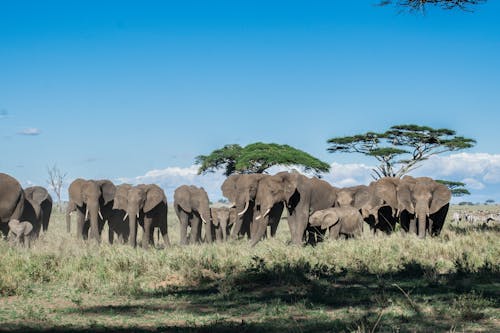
(89, 199)
(302, 196)
(145, 205)
(222, 219)
(191, 205)
(241, 190)
(346, 221)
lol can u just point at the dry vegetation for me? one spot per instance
(384, 283)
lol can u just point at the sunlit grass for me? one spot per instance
(347, 284)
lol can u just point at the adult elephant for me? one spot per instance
(88, 198)
(118, 221)
(191, 205)
(302, 196)
(19, 213)
(241, 190)
(147, 206)
(39, 196)
(385, 190)
(423, 204)
(11, 201)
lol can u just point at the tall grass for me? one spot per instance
(58, 260)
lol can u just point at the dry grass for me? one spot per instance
(382, 282)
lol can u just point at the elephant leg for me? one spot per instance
(301, 220)
(146, 235)
(164, 233)
(413, 226)
(237, 227)
(334, 231)
(4, 229)
(111, 234)
(184, 221)
(80, 221)
(275, 217)
(85, 230)
(262, 227)
(195, 235)
(209, 230)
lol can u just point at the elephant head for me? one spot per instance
(324, 218)
(193, 199)
(422, 197)
(274, 189)
(221, 219)
(141, 200)
(90, 196)
(21, 230)
(41, 201)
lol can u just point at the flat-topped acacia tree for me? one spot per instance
(257, 158)
(421, 5)
(402, 148)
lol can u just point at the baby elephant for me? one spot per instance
(22, 231)
(345, 221)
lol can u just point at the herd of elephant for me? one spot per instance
(257, 201)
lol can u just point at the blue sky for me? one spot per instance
(119, 89)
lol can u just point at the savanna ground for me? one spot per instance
(394, 283)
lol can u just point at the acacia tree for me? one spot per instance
(402, 148)
(457, 188)
(420, 5)
(257, 158)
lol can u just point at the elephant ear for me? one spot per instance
(228, 188)
(362, 197)
(290, 182)
(330, 219)
(75, 191)
(182, 197)
(154, 196)
(35, 205)
(385, 189)
(108, 190)
(441, 196)
(405, 197)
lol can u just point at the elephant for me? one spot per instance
(346, 221)
(191, 205)
(422, 204)
(302, 197)
(118, 223)
(147, 206)
(40, 196)
(22, 231)
(12, 199)
(89, 197)
(370, 204)
(16, 205)
(222, 220)
(241, 190)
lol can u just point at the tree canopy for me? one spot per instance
(256, 158)
(402, 148)
(420, 5)
(457, 188)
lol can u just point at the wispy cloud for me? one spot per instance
(3, 113)
(31, 131)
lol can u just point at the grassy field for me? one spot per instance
(391, 283)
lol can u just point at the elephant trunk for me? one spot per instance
(132, 213)
(93, 212)
(223, 229)
(421, 215)
(260, 230)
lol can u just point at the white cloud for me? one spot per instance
(473, 184)
(480, 171)
(480, 166)
(30, 131)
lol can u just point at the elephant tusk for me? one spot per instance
(86, 214)
(100, 215)
(204, 221)
(263, 215)
(137, 214)
(125, 217)
(245, 209)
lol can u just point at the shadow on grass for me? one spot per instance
(295, 298)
